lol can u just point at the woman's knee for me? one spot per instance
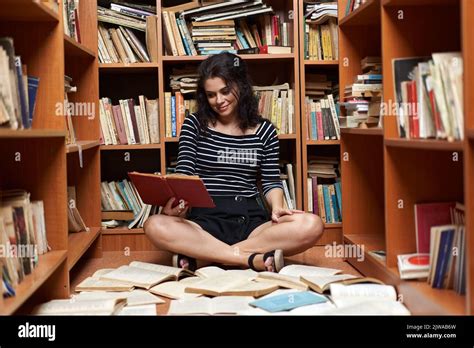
(158, 228)
(310, 227)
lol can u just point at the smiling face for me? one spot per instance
(221, 98)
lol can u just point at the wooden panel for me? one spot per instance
(27, 10)
(362, 184)
(39, 166)
(468, 53)
(78, 244)
(416, 176)
(126, 242)
(367, 14)
(469, 197)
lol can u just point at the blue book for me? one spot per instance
(241, 38)
(286, 302)
(334, 203)
(33, 83)
(444, 255)
(337, 186)
(327, 204)
(314, 126)
(22, 93)
(210, 52)
(173, 116)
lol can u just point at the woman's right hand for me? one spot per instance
(180, 210)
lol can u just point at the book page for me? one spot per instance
(230, 304)
(304, 270)
(89, 307)
(96, 284)
(217, 284)
(344, 295)
(174, 290)
(159, 268)
(251, 288)
(322, 281)
(137, 276)
(134, 298)
(209, 271)
(377, 307)
(285, 281)
(139, 310)
(200, 305)
(100, 272)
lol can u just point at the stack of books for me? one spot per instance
(176, 110)
(213, 37)
(321, 38)
(322, 119)
(71, 19)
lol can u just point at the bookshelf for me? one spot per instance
(392, 174)
(44, 165)
(332, 232)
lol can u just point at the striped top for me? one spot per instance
(229, 164)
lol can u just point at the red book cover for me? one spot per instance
(413, 105)
(179, 111)
(275, 30)
(436, 113)
(131, 107)
(117, 112)
(426, 216)
(158, 189)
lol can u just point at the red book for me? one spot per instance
(158, 189)
(429, 215)
(276, 30)
(119, 124)
(413, 105)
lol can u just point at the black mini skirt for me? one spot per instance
(233, 218)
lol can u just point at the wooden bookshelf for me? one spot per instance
(426, 144)
(79, 243)
(82, 144)
(27, 11)
(127, 68)
(322, 142)
(75, 49)
(367, 14)
(130, 147)
(321, 62)
(31, 133)
(363, 131)
(289, 56)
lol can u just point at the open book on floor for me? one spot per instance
(145, 275)
(321, 283)
(288, 301)
(95, 283)
(157, 189)
(176, 290)
(289, 276)
(89, 307)
(211, 306)
(134, 298)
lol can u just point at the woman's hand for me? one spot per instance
(180, 210)
(277, 213)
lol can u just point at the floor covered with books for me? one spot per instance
(314, 257)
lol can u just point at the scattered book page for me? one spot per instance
(97, 284)
(286, 302)
(321, 284)
(190, 280)
(139, 277)
(345, 295)
(230, 285)
(210, 306)
(139, 310)
(210, 271)
(89, 307)
(175, 271)
(134, 298)
(284, 281)
(377, 307)
(305, 270)
(100, 272)
(174, 290)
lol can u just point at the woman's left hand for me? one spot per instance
(279, 212)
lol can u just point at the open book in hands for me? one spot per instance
(157, 189)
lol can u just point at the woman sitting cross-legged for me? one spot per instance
(228, 144)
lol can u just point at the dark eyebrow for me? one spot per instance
(226, 87)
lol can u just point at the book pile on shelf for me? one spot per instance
(362, 100)
(121, 201)
(324, 188)
(17, 90)
(288, 181)
(52, 4)
(276, 103)
(22, 237)
(129, 123)
(136, 288)
(68, 112)
(429, 96)
(231, 26)
(441, 247)
(71, 19)
(123, 29)
(353, 5)
(321, 40)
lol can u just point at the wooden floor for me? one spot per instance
(112, 259)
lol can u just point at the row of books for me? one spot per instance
(68, 112)
(22, 237)
(321, 41)
(122, 196)
(176, 110)
(441, 247)
(71, 19)
(129, 123)
(267, 35)
(320, 12)
(287, 177)
(18, 91)
(322, 119)
(353, 5)
(429, 94)
(276, 103)
(128, 15)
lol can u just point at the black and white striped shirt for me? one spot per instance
(229, 164)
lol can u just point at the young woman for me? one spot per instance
(228, 144)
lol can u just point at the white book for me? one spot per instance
(211, 306)
(135, 297)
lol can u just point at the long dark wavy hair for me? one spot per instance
(233, 71)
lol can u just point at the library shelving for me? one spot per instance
(309, 147)
(152, 80)
(38, 159)
(384, 175)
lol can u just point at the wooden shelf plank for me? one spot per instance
(72, 48)
(243, 56)
(171, 140)
(321, 62)
(27, 11)
(362, 131)
(336, 225)
(47, 264)
(323, 142)
(366, 14)
(370, 241)
(419, 3)
(32, 133)
(79, 243)
(470, 133)
(122, 230)
(127, 68)
(85, 145)
(425, 144)
(286, 136)
(130, 147)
